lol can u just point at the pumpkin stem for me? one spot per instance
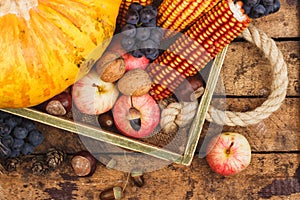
(18, 7)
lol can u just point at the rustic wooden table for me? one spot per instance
(274, 171)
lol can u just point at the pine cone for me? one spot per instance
(11, 164)
(54, 158)
(39, 168)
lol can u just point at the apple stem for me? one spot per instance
(228, 150)
(100, 89)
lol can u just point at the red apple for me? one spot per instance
(93, 96)
(132, 62)
(228, 153)
(145, 108)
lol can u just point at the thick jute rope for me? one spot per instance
(177, 115)
(278, 88)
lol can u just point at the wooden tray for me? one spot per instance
(133, 144)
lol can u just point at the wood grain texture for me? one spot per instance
(284, 23)
(279, 132)
(246, 72)
(171, 182)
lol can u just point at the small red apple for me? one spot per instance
(93, 96)
(228, 153)
(136, 116)
(132, 62)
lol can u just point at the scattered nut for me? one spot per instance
(135, 82)
(113, 193)
(109, 162)
(59, 105)
(84, 163)
(137, 178)
(106, 121)
(110, 66)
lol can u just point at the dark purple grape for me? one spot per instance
(151, 54)
(5, 129)
(258, 11)
(151, 23)
(7, 141)
(20, 132)
(18, 143)
(156, 35)
(28, 124)
(129, 30)
(15, 153)
(35, 137)
(143, 34)
(137, 53)
(267, 2)
(247, 9)
(132, 17)
(149, 44)
(13, 121)
(147, 14)
(4, 115)
(135, 6)
(251, 3)
(27, 149)
(273, 8)
(128, 43)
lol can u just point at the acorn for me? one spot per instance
(84, 163)
(137, 178)
(109, 162)
(113, 193)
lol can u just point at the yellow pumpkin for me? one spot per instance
(43, 43)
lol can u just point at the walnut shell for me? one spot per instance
(135, 82)
(110, 67)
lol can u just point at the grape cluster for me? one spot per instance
(141, 35)
(259, 8)
(18, 136)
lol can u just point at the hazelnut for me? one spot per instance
(111, 193)
(110, 66)
(59, 105)
(84, 163)
(191, 89)
(135, 82)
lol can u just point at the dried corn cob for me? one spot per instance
(177, 15)
(194, 49)
(124, 8)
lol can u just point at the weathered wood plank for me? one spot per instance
(279, 132)
(246, 72)
(197, 181)
(284, 23)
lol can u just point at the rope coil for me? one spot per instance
(278, 88)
